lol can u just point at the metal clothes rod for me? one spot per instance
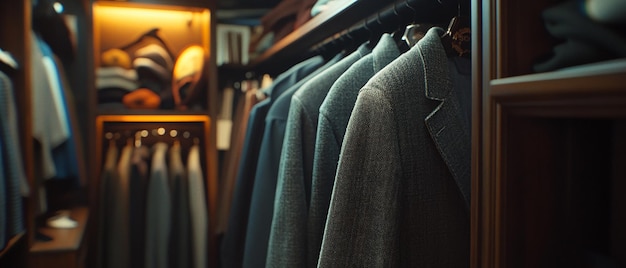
(392, 18)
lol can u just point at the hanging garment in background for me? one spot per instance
(262, 204)
(139, 173)
(233, 156)
(198, 209)
(13, 173)
(288, 245)
(119, 251)
(50, 126)
(334, 114)
(107, 197)
(158, 210)
(68, 165)
(401, 194)
(233, 243)
(180, 236)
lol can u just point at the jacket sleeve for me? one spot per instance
(361, 226)
(287, 243)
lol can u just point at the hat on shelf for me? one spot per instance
(189, 78)
(115, 57)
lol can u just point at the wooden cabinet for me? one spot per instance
(68, 246)
(547, 151)
(180, 24)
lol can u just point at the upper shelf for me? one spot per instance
(297, 45)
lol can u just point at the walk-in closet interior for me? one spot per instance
(312, 133)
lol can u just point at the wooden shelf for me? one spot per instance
(63, 239)
(68, 247)
(150, 112)
(605, 80)
(12, 242)
(347, 16)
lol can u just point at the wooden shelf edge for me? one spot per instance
(12, 242)
(611, 67)
(151, 112)
(64, 239)
(605, 79)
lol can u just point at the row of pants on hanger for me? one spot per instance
(153, 208)
(362, 160)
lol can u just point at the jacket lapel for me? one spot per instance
(444, 123)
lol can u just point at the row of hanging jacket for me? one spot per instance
(153, 207)
(361, 160)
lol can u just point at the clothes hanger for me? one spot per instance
(414, 31)
(457, 38)
(8, 64)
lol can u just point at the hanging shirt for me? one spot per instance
(13, 174)
(401, 194)
(288, 237)
(180, 239)
(50, 126)
(3, 199)
(198, 209)
(158, 210)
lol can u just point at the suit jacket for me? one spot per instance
(262, 202)
(233, 243)
(401, 195)
(288, 236)
(334, 114)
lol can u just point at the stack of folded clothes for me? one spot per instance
(189, 77)
(116, 77)
(137, 75)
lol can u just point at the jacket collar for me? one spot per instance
(444, 123)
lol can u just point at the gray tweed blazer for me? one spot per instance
(401, 194)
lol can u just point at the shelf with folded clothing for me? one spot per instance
(339, 18)
(149, 56)
(550, 87)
